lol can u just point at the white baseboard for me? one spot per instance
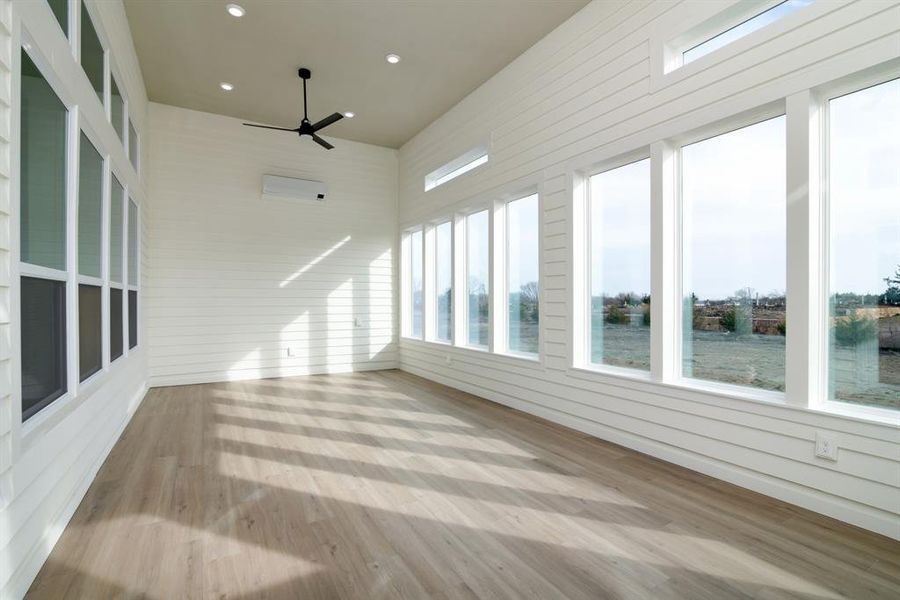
(24, 576)
(270, 373)
(792, 493)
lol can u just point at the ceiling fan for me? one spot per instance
(307, 128)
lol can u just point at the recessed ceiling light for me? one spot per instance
(349, 114)
(235, 10)
(392, 58)
(226, 86)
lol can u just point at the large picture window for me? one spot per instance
(619, 303)
(864, 193)
(443, 281)
(734, 259)
(522, 280)
(42, 244)
(478, 283)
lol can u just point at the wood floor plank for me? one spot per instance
(384, 485)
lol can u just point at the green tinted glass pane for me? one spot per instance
(132, 243)
(116, 223)
(43, 171)
(90, 346)
(115, 324)
(132, 146)
(43, 343)
(90, 206)
(60, 10)
(91, 52)
(117, 109)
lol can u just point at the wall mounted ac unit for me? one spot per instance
(289, 188)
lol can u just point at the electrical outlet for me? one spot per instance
(826, 446)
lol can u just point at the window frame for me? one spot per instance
(463, 313)
(583, 318)
(466, 162)
(823, 95)
(500, 243)
(406, 284)
(431, 255)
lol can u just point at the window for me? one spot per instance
(132, 319)
(42, 248)
(117, 109)
(43, 343)
(133, 146)
(733, 244)
(133, 275)
(767, 17)
(456, 167)
(90, 223)
(116, 251)
(478, 285)
(443, 281)
(115, 323)
(415, 271)
(522, 281)
(90, 346)
(864, 194)
(60, 10)
(619, 288)
(91, 52)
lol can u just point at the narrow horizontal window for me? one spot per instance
(745, 28)
(620, 266)
(456, 167)
(864, 193)
(43, 343)
(478, 282)
(443, 281)
(60, 10)
(734, 256)
(90, 345)
(115, 323)
(133, 146)
(522, 279)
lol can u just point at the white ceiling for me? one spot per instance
(448, 48)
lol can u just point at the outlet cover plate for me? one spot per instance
(826, 446)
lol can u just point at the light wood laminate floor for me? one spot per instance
(385, 485)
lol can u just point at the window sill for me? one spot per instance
(859, 412)
(732, 391)
(590, 373)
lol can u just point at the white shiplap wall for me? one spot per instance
(238, 282)
(587, 91)
(46, 469)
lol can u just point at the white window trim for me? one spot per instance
(462, 164)
(406, 284)
(431, 308)
(463, 340)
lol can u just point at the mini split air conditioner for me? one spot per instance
(289, 188)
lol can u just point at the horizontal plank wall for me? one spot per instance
(243, 287)
(45, 472)
(588, 90)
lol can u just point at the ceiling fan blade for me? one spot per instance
(268, 127)
(321, 142)
(327, 121)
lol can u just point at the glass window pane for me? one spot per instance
(478, 279)
(60, 10)
(779, 11)
(91, 52)
(620, 266)
(116, 223)
(415, 270)
(522, 231)
(864, 139)
(443, 281)
(90, 208)
(43, 171)
(133, 146)
(132, 318)
(117, 109)
(132, 243)
(115, 323)
(90, 348)
(733, 191)
(43, 343)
